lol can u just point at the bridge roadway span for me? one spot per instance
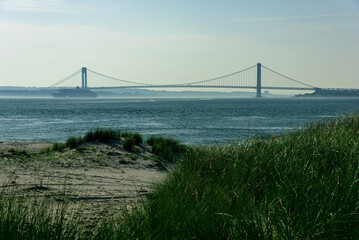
(204, 86)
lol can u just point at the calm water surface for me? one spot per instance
(190, 121)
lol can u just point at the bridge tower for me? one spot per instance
(259, 80)
(84, 77)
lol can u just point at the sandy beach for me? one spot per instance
(95, 174)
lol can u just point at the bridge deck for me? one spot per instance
(205, 86)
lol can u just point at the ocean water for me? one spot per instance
(192, 121)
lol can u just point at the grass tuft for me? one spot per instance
(73, 142)
(129, 144)
(167, 148)
(103, 135)
(131, 140)
(137, 138)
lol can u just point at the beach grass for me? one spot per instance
(167, 148)
(131, 140)
(37, 217)
(301, 185)
(103, 135)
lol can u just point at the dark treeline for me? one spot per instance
(332, 93)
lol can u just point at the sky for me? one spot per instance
(165, 41)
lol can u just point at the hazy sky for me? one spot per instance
(314, 41)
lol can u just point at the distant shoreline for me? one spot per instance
(331, 93)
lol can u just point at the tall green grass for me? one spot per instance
(166, 148)
(38, 217)
(302, 186)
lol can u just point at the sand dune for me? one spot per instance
(96, 174)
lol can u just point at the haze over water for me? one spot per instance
(193, 122)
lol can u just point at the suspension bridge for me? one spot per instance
(255, 77)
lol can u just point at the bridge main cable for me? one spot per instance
(117, 79)
(66, 78)
(216, 78)
(289, 78)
